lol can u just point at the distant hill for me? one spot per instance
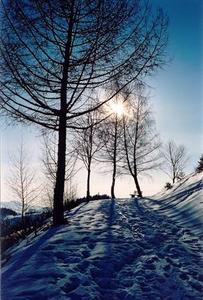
(14, 205)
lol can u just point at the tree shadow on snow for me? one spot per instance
(151, 265)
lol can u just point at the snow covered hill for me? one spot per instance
(183, 203)
(112, 250)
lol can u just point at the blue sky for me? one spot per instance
(177, 93)
(177, 99)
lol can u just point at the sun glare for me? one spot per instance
(118, 108)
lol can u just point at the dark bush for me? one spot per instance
(7, 212)
(12, 229)
(168, 186)
(70, 204)
(199, 168)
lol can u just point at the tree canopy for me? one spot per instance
(57, 55)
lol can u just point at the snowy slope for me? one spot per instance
(110, 250)
(183, 203)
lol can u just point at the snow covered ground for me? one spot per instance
(113, 249)
(183, 203)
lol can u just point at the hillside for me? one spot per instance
(183, 203)
(129, 249)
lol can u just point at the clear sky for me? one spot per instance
(177, 99)
(178, 94)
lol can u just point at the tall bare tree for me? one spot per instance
(86, 143)
(110, 134)
(141, 142)
(112, 150)
(56, 54)
(175, 160)
(22, 181)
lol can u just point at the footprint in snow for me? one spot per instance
(85, 253)
(72, 283)
(91, 245)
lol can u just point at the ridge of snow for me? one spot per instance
(183, 203)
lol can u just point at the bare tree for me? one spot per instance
(70, 193)
(86, 143)
(56, 54)
(22, 181)
(110, 134)
(49, 158)
(47, 194)
(175, 160)
(141, 142)
(49, 161)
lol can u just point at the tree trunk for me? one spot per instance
(113, 184)
(88, 184)
(139, 192)
(114, 160)
(58, 217)
(174, 177)
(22, 216)
(58, 211)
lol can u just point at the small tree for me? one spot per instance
(22, 181)
(199, 168)
(175, 159)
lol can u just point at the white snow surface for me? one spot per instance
(129, 249)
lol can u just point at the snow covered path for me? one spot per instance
(109, 250)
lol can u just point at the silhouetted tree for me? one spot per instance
(199, 168)
(175, 159)
(56, 54)
(110, 134)
(141, 142)
(85, 143)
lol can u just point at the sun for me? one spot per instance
(117, 108)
